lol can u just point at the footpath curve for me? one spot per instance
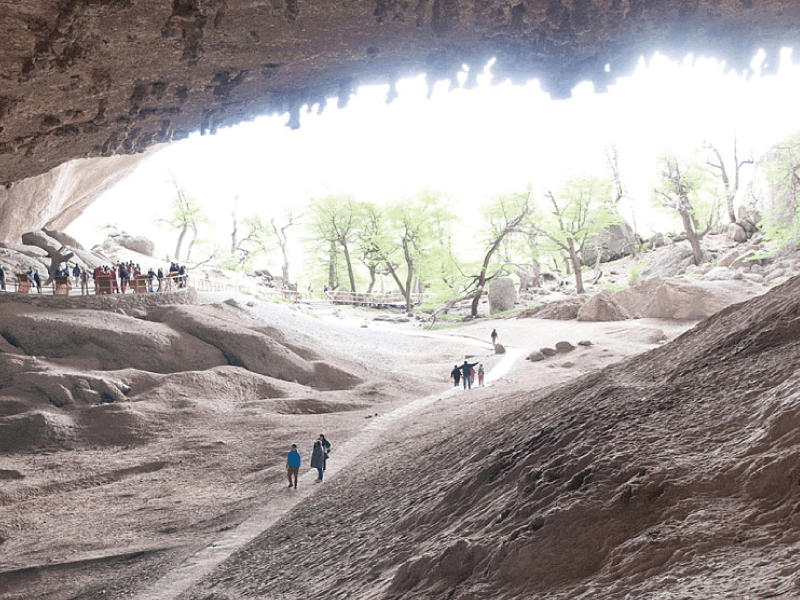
(282, 500)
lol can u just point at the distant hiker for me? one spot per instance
(293, 462)
(84, 277)
(480, 375)
(455, 375)
(2, 278)
(37, 280)
(310, 292)
(76, 273)
(494, 337)
(318, 460)
(326, 446)
(466, 374)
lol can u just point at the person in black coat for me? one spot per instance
(455, 375)
(318, 460)
(466, 374)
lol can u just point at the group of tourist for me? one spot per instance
(119, 276)
(319, 457)
(466, 372)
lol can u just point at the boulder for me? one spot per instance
(502, 295)
(670, 262)
(137, 243)
(615, 242)
(737, 233)
(682, 299)
(41, 240)
(104, 341)
(64, 239)
(561, 310)
(721, 274)
(252, 345)
(602, 307)
(535, 356)
(564, 347)
(499, 349)
(547, 351)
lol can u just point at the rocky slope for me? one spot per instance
(671, 475)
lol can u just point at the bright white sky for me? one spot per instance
(472, 144)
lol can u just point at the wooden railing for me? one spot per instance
(394, 299)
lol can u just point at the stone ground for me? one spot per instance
(140, 521)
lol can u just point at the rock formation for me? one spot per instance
(502, 295)
(87, 79)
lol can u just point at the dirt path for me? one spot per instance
(281, 501)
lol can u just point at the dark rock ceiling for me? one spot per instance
(81, 78)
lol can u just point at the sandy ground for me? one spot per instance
(151, 521)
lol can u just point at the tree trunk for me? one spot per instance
(694, 239)
(350, 275)
(235, 231)
(179, 245)
(731, 209)
(409, 275)
(372, 269)
(191, 243)
(285, 265)
(396, 278)
(576, 265)
(332, 266)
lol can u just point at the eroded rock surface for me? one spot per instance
(86, 79)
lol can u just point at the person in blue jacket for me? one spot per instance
(293, 462)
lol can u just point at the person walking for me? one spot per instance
(480, 375)
(2, 278)
(455, 375)
(293, 462)
(84, 277)
(318, 460)
(326, 448)
(466, 374)
(494, 337)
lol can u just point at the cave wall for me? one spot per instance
(91, 78)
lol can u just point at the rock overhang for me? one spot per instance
(90, 78)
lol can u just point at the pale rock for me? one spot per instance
(737, 233)
(502, 295)
(602, 307)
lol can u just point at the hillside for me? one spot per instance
(670, 474)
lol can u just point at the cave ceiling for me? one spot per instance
(89, 78)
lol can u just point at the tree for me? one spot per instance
(582, 209)
(717, 163)
(373, 224)
(187, 215)
(280, 232)
(781, 222)
(684, 188)
(409, 235)
(256, 242)
(506, 215)
(335, 219)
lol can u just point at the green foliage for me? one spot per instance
(257, 243)
(687, 184)
(781, 224)
(633, 275)
(582, 209)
